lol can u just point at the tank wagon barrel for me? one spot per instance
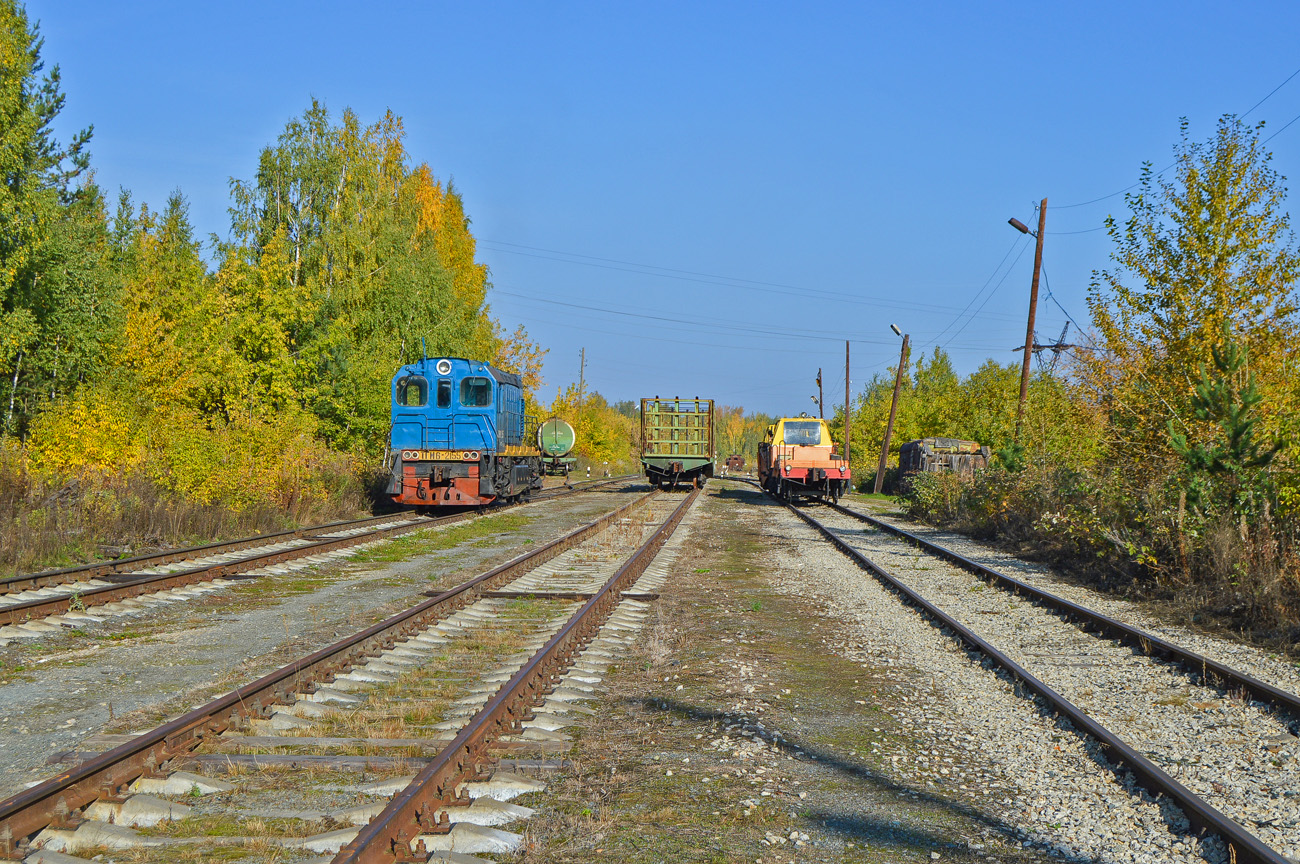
(556, 439)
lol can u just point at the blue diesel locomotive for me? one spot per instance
(460, 437)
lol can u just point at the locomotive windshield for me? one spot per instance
(475, 392)
(412, 391)
(444, 393)
(803, 432)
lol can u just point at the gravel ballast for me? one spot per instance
(56, 692)
(1031, 770)
(1234, 753)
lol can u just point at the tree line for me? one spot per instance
(260, 374)
(1167, 452)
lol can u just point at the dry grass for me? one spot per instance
(44, 526)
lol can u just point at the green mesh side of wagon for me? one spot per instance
(677, 431)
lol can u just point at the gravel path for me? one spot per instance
(1236, 756)
(973, 736)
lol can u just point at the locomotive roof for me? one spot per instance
(501, 376)
(506, 377)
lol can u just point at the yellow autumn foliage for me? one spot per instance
(86, 432)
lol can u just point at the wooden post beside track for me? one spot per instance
(1033, 308)
(893, 410)
(846, 404)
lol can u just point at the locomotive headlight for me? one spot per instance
(443, 367)
(408, 454)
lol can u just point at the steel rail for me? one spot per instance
(1244, 847)
(29, 581)
(1126, 634)
(59, 800)
(143, 584)
(388, 836)
(43, 607)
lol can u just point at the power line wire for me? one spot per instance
(820, 336)
(1166, 168)
(1270, 93)
(935, 341)
(709, 279)
(976, 295)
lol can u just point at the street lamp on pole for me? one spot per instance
(893, 410)
(1033, 305)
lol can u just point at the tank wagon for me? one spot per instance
(677, 441)
(556, 439)
(941, 454)
(460, 436)
(798, 458)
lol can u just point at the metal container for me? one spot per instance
(556, 438)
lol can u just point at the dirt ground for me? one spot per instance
(737, 732)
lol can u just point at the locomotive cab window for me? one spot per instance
(475, 392)
(803, 432)
(412, 391)
(444, 392)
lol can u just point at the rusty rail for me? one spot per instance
(30, 610)
(58, 801)
(1125, 634)
(141, 584)
(1244, 847)
(388, 837)
(95, 569)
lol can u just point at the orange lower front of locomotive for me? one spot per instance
(810, 475)
(442, 484)
(807, 471)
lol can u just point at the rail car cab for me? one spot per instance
(798, 458)
(460, 437)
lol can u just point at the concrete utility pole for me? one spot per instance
(821, 411)
(893, 410)
(846, 402)
(1033, 308)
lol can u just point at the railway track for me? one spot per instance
(478, 679)
(1226, 762)
(37, 604)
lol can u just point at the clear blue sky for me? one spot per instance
(709, 197)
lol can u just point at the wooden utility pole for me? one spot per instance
(582, 378)
(846, 403)
(821, 409)
(1033, 308)
(893, 410)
